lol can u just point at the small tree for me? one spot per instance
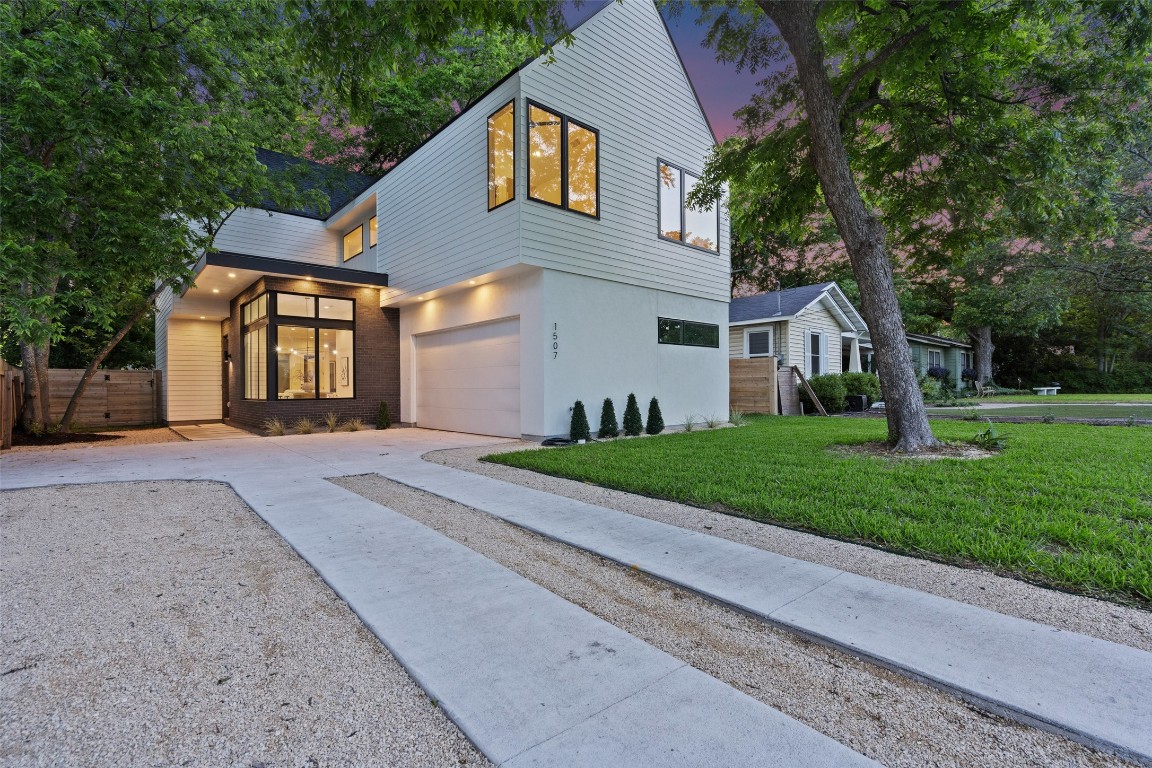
(609, 427)
(655, 419)
(633, 425)
(579, 429)
(383, 417)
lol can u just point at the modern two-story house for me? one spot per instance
(533, 252)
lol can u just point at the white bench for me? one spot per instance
(1046, 390)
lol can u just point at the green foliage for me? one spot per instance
(829, 388)
(579, 429)
(737, 418)
(1128, 377)
(1015, 512)
(989, 439)
(608, 424)
(633, 423)
(655, 423)
(383, 417)
(867, 384)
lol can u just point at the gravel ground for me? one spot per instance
(123, 437)
(881, 714)
(1075, 613)
(163, 623)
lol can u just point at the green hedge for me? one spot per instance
(829, 387)
(862, 384)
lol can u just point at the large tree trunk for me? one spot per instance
(862, 232)
(90, 371)
(37, 415)
(983, 347)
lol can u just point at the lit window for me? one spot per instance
(502, 156)
(563, 162)
(372, 232)
(254, 336)
(354, 243)
(700, 229)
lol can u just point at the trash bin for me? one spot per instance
(856, 403)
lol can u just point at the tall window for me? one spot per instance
(816, 353)
(372, 232)
(354, 243)
(935, 357)
(563, 162)
(698, 228)
(310, 340)
(502, 156)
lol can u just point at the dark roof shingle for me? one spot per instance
(765, 306)
(340, 186)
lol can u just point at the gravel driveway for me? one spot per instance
(164, 623)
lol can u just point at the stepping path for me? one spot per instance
(211, 431)
(1091, 690)
(532, 679)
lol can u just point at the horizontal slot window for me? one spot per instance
(687, 333)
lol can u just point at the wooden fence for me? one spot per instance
(11, 401)
(752, 385)
(112, 399)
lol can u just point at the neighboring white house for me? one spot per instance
(534, 251)
(817, 329)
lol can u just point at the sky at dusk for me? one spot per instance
(721, 88)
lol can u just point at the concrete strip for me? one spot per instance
(529, 677)
(1088, 689)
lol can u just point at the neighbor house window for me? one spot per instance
(354, 243)
(563, 161)
(310, 340)
(679, 222)
(759, 343)
(935, 358)
(372, 232)
(816, 352)
(502, 156)
(687, 333)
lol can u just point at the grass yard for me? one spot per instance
(1062, 410)
(1057, 399)
(1064, 505)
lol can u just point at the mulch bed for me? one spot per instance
(61, 438)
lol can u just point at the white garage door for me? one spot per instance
(468, 379)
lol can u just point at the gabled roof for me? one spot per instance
(776, 304)
(340, 186)
(942, 341)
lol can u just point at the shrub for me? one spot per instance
(829, 388)
(867, 384)
(354, 425)
(304, 426)
(609, 427)
(931, 389)
(713, 421)
(383, 417)
(968, 374)
(331, 421)
(655, 423)
(579, 429)
(633, 424)
(939, 372)
(273, 426)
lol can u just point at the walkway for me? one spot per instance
(531, 679)
(212, 431)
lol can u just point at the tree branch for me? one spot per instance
(885, 53)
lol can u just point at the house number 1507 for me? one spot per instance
(555, 341)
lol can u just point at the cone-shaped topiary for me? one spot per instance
(655, 418)
(579, 429)
(608, 424)
(633, 425)
(383, 418)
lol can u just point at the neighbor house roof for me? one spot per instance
(939, 340)
(766, 306)
(338, 185)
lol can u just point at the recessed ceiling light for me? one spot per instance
(201, 317)
(471, 282)
(307, 278)
(231, 274)
(420, 297)
(215, 290)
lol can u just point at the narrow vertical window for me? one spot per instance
(670, 202)
(372, 232)
(544, 161)
(582, 171)
(354, 243)
(502, 156)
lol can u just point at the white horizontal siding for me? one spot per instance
(816, 318)
(193, 375)
(622, 77)
(255, 232)
(736, 335)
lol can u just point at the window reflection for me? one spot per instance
(354, 243)
(582, 169)
(502, 156)
(372, 232)
(544, 162)
(699, 225)
(700, 228)
(670, 202)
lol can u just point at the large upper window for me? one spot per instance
(690, 226)
(563, 161)
(687, 333)
(309, 338)
(502, 156)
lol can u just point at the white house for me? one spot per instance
(534, 251)
(817, 329)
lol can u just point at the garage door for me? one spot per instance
(468, 379)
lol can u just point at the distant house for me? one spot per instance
(535, 251)
(818, 330)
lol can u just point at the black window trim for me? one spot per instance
(683, 326)
(245, 329)
(515, 131)
(660, 230)
(564, 121)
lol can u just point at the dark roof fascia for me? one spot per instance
(684, 69)
(292, 268)
(942, 341)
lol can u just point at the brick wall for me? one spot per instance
(376, 367)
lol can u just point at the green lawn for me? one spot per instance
(1056, 399)
(1061, 410)
(1064, 505)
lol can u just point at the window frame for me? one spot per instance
(372, 234)
(683, 194)
(488, 144)
(344, 245)
(683, 327)
(822, 354)
(748, 342)
(564, 121)
(262, 322)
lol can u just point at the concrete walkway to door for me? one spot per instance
(530, 678)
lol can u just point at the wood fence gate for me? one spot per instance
(752, 385)
(112, 398)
